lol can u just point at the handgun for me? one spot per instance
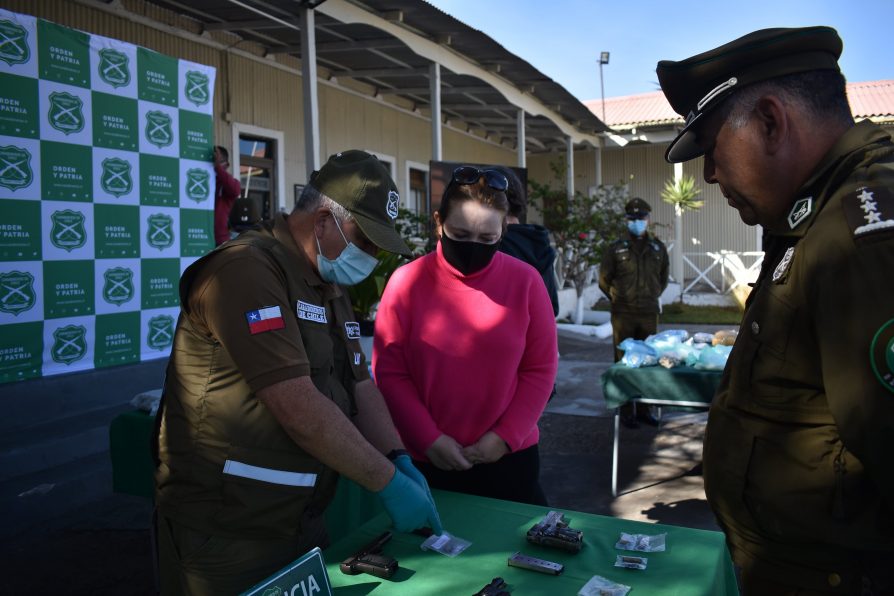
(497, 587)
(553, 531)
(369, 560)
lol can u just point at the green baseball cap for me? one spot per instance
(697, 85)
(360, 183)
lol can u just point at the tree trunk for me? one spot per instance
(678, 249)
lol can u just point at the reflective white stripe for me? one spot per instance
(237, 468)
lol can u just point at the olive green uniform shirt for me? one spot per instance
(799, 449)
(254, 313)
(634, 273)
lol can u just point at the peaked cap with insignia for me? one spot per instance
(697, 85)
(359, 182)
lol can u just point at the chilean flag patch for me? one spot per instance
(268, 318)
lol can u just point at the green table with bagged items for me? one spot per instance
(682, 386)
(696, 562)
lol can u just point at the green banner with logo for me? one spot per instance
(106, 196)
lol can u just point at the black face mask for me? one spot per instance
(467, 257)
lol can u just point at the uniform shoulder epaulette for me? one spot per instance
(869, 210)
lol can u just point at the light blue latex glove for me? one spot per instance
(408, 505)
(405, 465)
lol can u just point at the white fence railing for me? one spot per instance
(721, 272)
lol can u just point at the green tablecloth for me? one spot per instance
(132, 473)
(621, 384)
(696, 561)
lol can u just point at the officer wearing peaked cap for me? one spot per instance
(267, 396)
(633, 274)
(798, 449)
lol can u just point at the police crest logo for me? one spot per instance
(160, 234)
(161, 332)
(393, 202)
(783, 266)
(16, 292)
(197, 87)
(118, 287)
(69, 344)
(800, 211)
(68, 232)
(198, 184)
(352, 330)
(158, 129)
(66, 112)
(881, 354)
(14, 47)
(114, 67)
(116, 176)
(15, 167)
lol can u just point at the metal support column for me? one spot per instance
(434, 81)
(309, 91)
(569, 178)
(520, 133)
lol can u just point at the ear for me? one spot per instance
(321, 220)
(439, 227)
(774, 121)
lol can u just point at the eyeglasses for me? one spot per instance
(471, 175)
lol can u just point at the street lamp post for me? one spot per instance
(603, 59)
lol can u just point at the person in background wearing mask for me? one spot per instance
(226, 191)
(267, 397)
(633, 274)
(465, 350)
(528, 242)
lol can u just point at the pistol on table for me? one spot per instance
(369, 560)
(497, 587)
(553, 531)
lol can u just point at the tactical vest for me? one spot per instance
(227, 467)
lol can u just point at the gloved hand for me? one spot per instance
(405, 465)
(408, 505)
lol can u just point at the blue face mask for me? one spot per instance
(350, 267)
(637, 227)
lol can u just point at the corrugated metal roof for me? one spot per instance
(871, 99)
(389, 69)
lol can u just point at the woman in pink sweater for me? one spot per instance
(465, 350)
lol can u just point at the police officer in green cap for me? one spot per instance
(798, 452)
(268, 398)
(633, 274)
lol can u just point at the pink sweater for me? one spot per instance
(462, 355)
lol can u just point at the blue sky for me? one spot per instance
(563, 38)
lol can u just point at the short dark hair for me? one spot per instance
(223, 151)
(516, 194)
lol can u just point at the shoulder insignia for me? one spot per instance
(881, 355)
(800, 211)
(781, 271)
(869, 210)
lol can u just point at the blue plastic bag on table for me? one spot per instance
(637, 353)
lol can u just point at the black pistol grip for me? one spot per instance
(377, 565)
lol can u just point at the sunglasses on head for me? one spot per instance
(471, 175)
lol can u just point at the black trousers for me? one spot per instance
(515, 477)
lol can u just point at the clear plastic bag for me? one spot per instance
(600, 586)
(446, 544)
(630, 562)
(637, 353)
(643, 543)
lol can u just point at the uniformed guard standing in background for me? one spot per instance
(268, 397)
(798, 456)
(633, 274)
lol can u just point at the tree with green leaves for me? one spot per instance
(681, 193)
(582, 227)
